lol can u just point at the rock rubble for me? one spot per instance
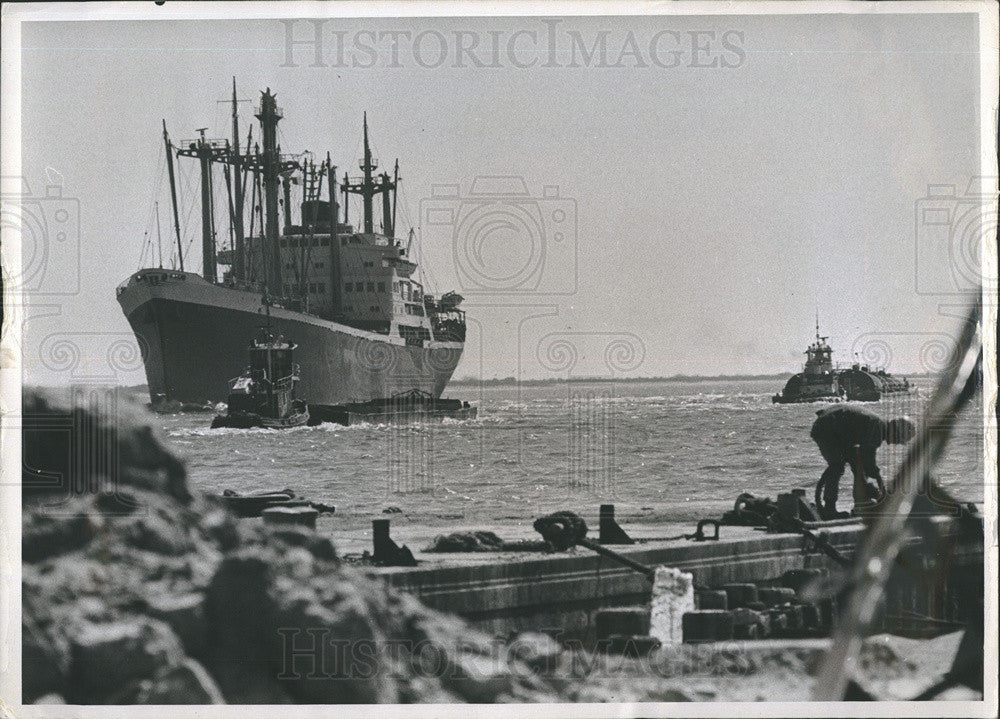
(138, 590)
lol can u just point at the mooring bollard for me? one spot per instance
(386, 551)
(788, 505)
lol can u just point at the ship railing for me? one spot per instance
(213, 143)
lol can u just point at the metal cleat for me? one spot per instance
(609, 530)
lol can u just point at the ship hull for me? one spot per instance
(852, 385)
(193, 336)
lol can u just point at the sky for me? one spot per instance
(695, 194)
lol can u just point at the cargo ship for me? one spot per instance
(821, 381)
(348, 296)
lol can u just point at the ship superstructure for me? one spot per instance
(818, 378)
(365, 326)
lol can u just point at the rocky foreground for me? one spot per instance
(137, 590)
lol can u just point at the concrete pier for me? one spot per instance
(505, 591)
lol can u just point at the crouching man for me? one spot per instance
(849, 435)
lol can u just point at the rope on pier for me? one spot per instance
(561, 529)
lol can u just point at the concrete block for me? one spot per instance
(707, 625)
(811, 617)
(779, 620)
(775, 596)
(711, 599)
(794, 617)
(302, 516)
(740, 595)
(748, 624)
(627, 621)
(796, 579)
(673, 596)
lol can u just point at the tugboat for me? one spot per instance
(264, 394)
(820, 381)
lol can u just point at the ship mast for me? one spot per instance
(239, 266)
(204, 154)
(159, 239)
(368, 191)
(173, 193)
(331, 189)
(368, 186)
(207, 152)
(269, 116)
(395, 194)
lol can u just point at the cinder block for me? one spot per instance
(673, 596)
(301, 516)
(796, 579)
(740, 595)
(776, 596)
(707, 625)
(625, 621)
(811, 617)
(748, 624)
(711, 599)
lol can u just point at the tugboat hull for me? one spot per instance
(851, 385)
(801, 388)
(247, 420)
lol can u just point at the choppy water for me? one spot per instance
(678, 450)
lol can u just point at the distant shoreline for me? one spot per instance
(471, 382)
(506, 381)
(509, 381)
